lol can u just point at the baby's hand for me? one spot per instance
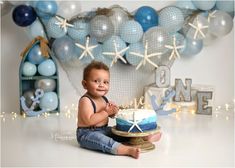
(111, 109)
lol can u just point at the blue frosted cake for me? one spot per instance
(136, 120)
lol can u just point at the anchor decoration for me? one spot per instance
(29, 111)
(159, 109)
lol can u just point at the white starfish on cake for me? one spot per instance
(198, 28)
(134, 123)
(145, 57)
(86, 49)
(116, 54)
(62, 23)
(174, 48)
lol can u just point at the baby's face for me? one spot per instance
(97, 83)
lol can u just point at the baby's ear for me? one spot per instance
(84, 84)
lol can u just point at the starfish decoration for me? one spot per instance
(86, 49)
(117, 54)
(134, 123)
(198, 27)
(174, 48)
(211, 15)
(62, 23)
(145, 57)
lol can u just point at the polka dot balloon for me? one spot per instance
(131, 31)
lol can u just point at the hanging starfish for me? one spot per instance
(86, 49)
(117, 54)
(174, 48)
(62, 23)
(211, 15)
(134, 123)
(198, 27)
(146, 57)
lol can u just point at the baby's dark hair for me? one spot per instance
(94, 65)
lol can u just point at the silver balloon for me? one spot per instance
(101, 28)
(209, 39)
(5, 7)
(118, 16)
(221, 24)
(29, 95)
(47, 85)
(157, 38)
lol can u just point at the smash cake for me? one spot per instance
(136, 120)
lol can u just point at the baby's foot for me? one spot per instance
(134, 152)
(154, 137)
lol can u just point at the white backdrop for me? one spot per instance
(214, 65)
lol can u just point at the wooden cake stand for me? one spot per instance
(136, 138)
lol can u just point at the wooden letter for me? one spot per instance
(202, 97)
(163, 77)
(183, 93)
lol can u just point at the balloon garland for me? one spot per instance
(145, 37)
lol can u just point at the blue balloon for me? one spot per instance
(100, 57)
(87, 58)
(36, 29)
(80, 30)
(192, 48)
(136, 48)
(47, 68)
(64, 48)
(35, 55)
(24, 15)
(147, 17)
(53, 29)
(49, 101)
(46, 9)
(29, 69)
(185, 5)
(108, 46)
(204, 5)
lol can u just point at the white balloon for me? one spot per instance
(68, 9)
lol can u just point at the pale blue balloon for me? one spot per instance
(204, 5)
(80, 30)
(53, 29)
(36, 29)
(185, 4)
(108, 45)
(35, 55)
(131, 31)
(64, 48)
(47, 68)
(29, 69)
(192, 48)
(171, 18)
(100, 57)
(46, 9)
(227, 6)
(49, 101)
(136, 48)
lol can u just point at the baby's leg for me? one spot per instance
(128, 150)
(154, 137)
